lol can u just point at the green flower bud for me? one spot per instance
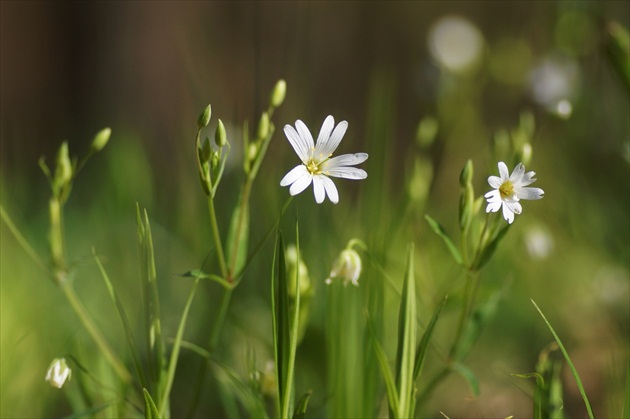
(297, 268)
(346, 267)
(252, 152)
(466, 206)
(63, 171)
(278, 93)
(427, 131)
(55, 237)
(466, 175)
(206, 151)
(263, 126)
(101, 139)
(220, 137)
(204, 118)
(58, 372)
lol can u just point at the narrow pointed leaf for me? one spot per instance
(150, 410)
(578, 381)
(388, 376)
(302, 404)
(280, 318)
(469, 376)
(476, 324)
(423, 346)
(238, 237)
(439, 230)
(407, 334)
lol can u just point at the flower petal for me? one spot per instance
(331, 145)
(293, 175)
(346, 160)
(301, 183)
(299, 145)
(331, 189)
(318, 189)
(529, 193)
(305, 135)
(324, 132)
(517, 174)
(495, 182)
(503, 171)
(507, 214)
(347, 173)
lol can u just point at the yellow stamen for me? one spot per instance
(506, 189)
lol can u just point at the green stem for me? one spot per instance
(93, 330)
(22, 241)
(217, 238)
(247, 187)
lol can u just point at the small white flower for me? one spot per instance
(346, 267)
(317, 161)
(58, 372)
(509, 189)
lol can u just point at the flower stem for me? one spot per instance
(22, 241)
(92, 329)
(217, 238)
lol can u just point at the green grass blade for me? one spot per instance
(172, 365)
(423, 346)
(407, 334)
(238, 235)
(578, 381)
(123, 317)
(150, 410)
(388, 377)
(302, 404)
(439, 230)
(626, 402)
(469, 376)
(293, 333)
(280, 318)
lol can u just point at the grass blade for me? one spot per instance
(150, 410)
(390, 383)
(439, 230)
(280, 318)
(423, 346)
(578, 381)
(302, 404)
(407, 334)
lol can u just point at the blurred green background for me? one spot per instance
(146, 69)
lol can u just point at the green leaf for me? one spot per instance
(407, 334)
(280, 318)
(91, 412)
(439, 230)
(302, 404)
(150, 410)
(578, 381)
(490, 247)
(477, 322)
(390, 383)
(199, 274)
(423, 346)
(469, 376)
(617, 43)
(238, 237)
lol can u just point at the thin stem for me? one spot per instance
(23, 242)
(247, 187)
(93, 330)
(217, 238)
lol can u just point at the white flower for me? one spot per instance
(509, 189)
(58, 372)
(346, 267)
(317, 161)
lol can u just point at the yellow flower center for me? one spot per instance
(313, 166)
(506, 189)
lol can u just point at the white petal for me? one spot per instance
(298, 144)
(305, 134)
(514, 206)
(318, 189)
(347, 173)
(347, 160)
(517, 174)
(301, 183)
(335, 138)
(331, 189)
(293, 175)
(529, 193)
(507, 214)
(503, 171)
(324, 132)
(494, 195)
(495, 182)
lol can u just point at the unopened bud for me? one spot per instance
(58, 372)
(101, 139)
(427, 131)
(278, 93)
(220, 138)
(63, 171)
(263, 126)
(205, 152)
(204, 118)
(346, 267)
(466, 207)
(252, 152)
(466, 175)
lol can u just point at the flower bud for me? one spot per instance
(58, 372)
(252, 152)
(63, 173)
(297, 268)
(466, 175)
(278, 93)
(204, 118)
(263, 126)
(466, 207)
(427, 131)
(206, 151)
(220, 138)
(101, 139)
(346, 267)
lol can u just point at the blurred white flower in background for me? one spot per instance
(539, 242)
(347, 267)
(554, 83)
(455, 43)
(58, 372)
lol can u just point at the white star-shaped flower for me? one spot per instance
(317, 161)
(510, 189)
